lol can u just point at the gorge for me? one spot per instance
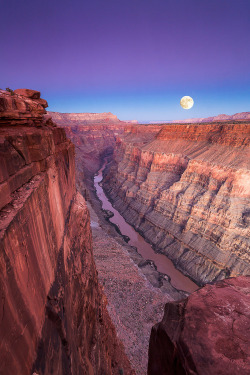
(140, 153)
(162, 263)
(77, 297)
(186, 189)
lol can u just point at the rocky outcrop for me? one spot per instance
(22, 107)
(206, 334)
(53, 312)
(186, 189)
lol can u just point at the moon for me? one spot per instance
(187, 102)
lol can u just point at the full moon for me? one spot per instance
(187, 102)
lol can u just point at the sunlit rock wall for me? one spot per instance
(186, 188)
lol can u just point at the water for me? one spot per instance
(163, 264)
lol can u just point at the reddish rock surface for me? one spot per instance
(206, 334)
(52, 310)
(134, 304)
(162, 178)
(68, 119)
(94, 135)
(32, 94)
(186, 188)
(20, 109)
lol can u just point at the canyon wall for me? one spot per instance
(52, 309)
(149, 159)
(185, 188)
(83, 118)
(208, 333)
(94, 137)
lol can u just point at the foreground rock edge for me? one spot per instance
(208, 333)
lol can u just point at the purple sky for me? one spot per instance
(135, 58)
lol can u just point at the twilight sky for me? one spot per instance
(134, 58)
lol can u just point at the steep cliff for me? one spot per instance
(208, 333)
(134, 304)
(52, 309)
(186, 189)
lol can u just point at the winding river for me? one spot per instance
(163, 264)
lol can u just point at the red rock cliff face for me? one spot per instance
(186, 189)
(94, 135)
(206, 334)
(52, 309)
(83, 118)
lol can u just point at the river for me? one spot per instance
(163, 264)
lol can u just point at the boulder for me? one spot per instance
(206, 334)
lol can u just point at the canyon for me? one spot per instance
(146, 161)
(77, 297)
(53, 311)
(185, 188)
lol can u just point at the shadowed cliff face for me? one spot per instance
(52, 309)
(208, 333)
(186, 189)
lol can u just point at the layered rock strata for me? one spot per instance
(186, 189)
(208, 333)
(66, 119)
(135, 302)
(94, 136)
(53, 311)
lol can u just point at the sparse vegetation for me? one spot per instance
(10, 90)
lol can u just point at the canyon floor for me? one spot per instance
(134, 303)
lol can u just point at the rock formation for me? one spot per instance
(186, 189)
(53, 311)
(236, 117)
(84, 118)
(208, 333)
